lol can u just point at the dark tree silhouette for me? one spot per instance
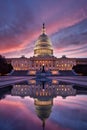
(81, 69)
(5, 68)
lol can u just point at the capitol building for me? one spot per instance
(44, 56)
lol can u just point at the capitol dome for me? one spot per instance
(43, 46)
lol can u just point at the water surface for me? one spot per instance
(51, 105)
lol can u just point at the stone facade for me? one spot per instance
(36, 63)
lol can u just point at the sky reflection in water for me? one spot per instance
(17, 113)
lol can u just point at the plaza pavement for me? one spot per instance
(10, 80)
(78, 80)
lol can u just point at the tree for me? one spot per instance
(5, 68)
(80, 69)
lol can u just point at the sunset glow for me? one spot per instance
(21, 23)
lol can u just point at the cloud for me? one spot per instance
(15, 25)
(72, 39)
(20, 24)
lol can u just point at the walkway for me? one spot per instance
(78, 80)
(10, 80)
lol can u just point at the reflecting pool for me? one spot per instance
(43, 105)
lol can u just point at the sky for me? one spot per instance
(21, 23)
(66, 114)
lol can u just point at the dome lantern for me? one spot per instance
(43, 29)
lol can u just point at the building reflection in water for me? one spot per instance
(43, 89)
(43, 94)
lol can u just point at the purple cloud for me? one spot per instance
(20, 24)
